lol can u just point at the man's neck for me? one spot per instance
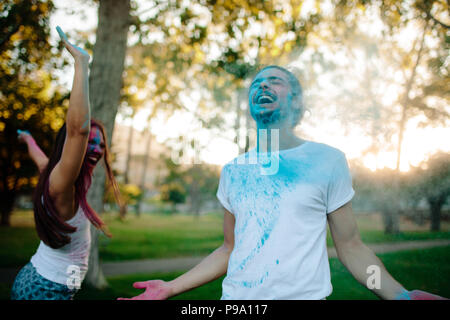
(276, 137)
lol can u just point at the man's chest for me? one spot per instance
(249, 191)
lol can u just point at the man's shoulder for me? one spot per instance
(325, 150)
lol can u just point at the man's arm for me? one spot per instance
(212, 267)
(356, 256)
(36, 154)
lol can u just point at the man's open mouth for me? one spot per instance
(265, 98)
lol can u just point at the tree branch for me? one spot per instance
(9, 35)
(430, 16)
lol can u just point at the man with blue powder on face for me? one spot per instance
(277, 200)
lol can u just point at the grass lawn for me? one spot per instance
(163, 236)
(424, 269)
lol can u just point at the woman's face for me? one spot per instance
(96, 146)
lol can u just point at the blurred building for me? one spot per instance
(120, 147)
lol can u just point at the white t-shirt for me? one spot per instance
(281, 218)
(63, 264)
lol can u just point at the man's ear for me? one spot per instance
(297, 110)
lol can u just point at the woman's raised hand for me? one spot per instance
(77, 53)
(23, 135)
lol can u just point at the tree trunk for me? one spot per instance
(237, 124)
(104, 91)
(6, 207)
(405, 101)
(144, 173)
(195, 199)
(94, 276)
(435, 211)
(389, 205)
(391, 221)
(129, 150)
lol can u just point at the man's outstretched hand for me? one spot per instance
(418, 295)
(154, 290)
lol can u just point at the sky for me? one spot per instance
(418, 143)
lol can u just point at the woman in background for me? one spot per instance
(61, 212)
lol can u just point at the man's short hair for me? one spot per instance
(297, 92)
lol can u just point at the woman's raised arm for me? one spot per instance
(66, 171)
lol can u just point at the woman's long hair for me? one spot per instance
(51, 228)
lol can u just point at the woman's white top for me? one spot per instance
(67, 265)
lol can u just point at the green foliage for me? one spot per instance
(435, 182)
(380, 81)
(388, 190)
(130, 194)
(213, 47)
(375, 191)
(28, 100)
(201, 183)
(173, 192)
(209, 46)
(171, 186)
(432, 182)
(198, 182)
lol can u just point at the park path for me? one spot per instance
(185, 263)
